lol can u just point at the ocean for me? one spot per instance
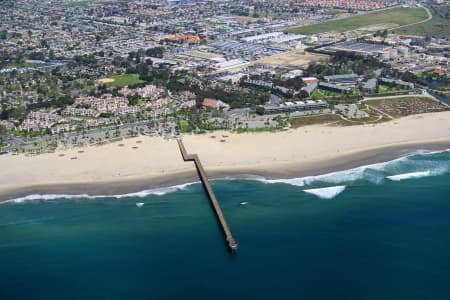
(375, 232)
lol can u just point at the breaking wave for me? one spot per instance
(416, 165)
(141, 194)
(327, 192)
(412, 175)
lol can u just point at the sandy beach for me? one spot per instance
(144, 162)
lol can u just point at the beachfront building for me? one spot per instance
(392, 82)
(289, 107)
(36, 121)
(335, 88)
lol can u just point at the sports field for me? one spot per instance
(124, 80)
(395, 17)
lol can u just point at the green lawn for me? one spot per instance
(184, 126)
(400, 16)
(124, 80)
(82, 3)
(437, 27)
(319, 94)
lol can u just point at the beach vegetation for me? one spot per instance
(312, 120)
(260, 129)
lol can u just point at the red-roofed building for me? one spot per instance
(215, 104)
(212, 103)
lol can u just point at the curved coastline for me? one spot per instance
(144, 162)
(176, 180)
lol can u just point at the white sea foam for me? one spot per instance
(368, 172)
(141, 194)
(327, 192)
(376, 173)
(410, 175)
(406, 167)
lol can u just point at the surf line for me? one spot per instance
(231, 242)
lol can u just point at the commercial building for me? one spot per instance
(288, 107)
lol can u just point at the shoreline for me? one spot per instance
(144, 162)
(276, 171)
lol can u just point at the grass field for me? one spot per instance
(184, 126)
(124, 80)
(399, 16)
(437, 27)
(83, 3)
(319, 94)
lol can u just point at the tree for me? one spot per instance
(3, 132)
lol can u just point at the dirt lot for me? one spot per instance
(294, 58)
(105, 80)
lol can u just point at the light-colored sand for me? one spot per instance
(105, 80)
(310, 145)
(281, 152)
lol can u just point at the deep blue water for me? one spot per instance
(380, 232)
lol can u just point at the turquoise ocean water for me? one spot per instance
(375, 232)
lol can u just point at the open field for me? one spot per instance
(124, 80)
(295, 58)
(437, 27)
(404, 106)
(394, 17)
(82, 3)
